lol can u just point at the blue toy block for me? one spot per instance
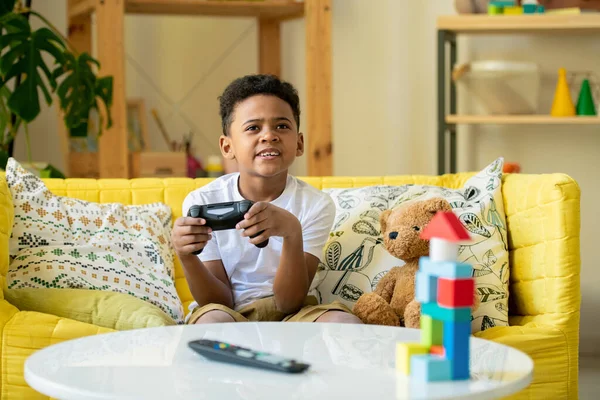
(430, 368)
(456, 344)
(456, 314)
(445, 269)
(530, 8)
(426, 288)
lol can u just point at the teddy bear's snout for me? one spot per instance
(393, 235)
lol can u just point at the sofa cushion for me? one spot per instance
(354, 259)
(106, 309)
(60, 242)
(27, 332)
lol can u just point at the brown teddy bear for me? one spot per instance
(393, 300)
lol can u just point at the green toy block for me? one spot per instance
(530, 8)
(458, 314)
(432, 331)
(541, 9)
(495, 10)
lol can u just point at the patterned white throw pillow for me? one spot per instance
(355, 260)
(61, 242)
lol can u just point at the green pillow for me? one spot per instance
(112, 310)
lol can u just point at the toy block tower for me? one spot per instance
(445, 290)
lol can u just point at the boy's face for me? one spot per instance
(263, 136)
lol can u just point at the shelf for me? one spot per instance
(536, 23)
(268, 9)
(521, 119)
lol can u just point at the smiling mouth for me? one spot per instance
(268, 154)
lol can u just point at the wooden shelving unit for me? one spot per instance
(504, 24)
(113, 156)
(520, 120)
(448, 27)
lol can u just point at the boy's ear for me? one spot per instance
(300, 147)
(226, 147)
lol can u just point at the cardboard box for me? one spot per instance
(149, 164)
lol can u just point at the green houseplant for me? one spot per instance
(26, 79)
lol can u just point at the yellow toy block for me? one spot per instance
(404, 351)
(513, 10)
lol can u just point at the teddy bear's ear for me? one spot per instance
(383, 219)
(437, 204)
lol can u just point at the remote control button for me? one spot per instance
(223, 345)
(244, 353)
(271, 358)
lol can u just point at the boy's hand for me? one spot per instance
(189, 235)
(273, 220)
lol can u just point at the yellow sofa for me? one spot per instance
(543, 223)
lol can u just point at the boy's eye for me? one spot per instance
(283, 126)
(252, 128)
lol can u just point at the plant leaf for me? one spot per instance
(104, 91)
(477, 273)
(487, 323)
(365, 228)
(25, 60)
(490, 293)
(474, 225)
(489, 258)
(3, 159)
(80, 92)
(7, 6)
(351, 292)
(4, 115)
(332, 255)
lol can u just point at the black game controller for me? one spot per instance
(222, 216)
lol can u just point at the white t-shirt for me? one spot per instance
(251, 270)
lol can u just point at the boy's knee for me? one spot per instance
(214, 317)
(339, 317)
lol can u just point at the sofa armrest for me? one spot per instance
(555, 360)
(110, 310)
(543, 216)
(6, 223)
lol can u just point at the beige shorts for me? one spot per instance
(265, 310)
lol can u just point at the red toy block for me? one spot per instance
(445, 225)
(437, 350)
(455, 292)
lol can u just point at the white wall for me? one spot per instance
(384, 106)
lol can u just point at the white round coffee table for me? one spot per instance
(347, 362)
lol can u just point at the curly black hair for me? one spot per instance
(251, 85)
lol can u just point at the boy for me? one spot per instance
(232, 279)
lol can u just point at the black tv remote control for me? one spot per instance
(225, 352)
(222, 216)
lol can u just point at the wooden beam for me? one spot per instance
(318, 80)
(79, 33)
(113, 153)
(81, 8)
(270, 9)
(269, 46)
